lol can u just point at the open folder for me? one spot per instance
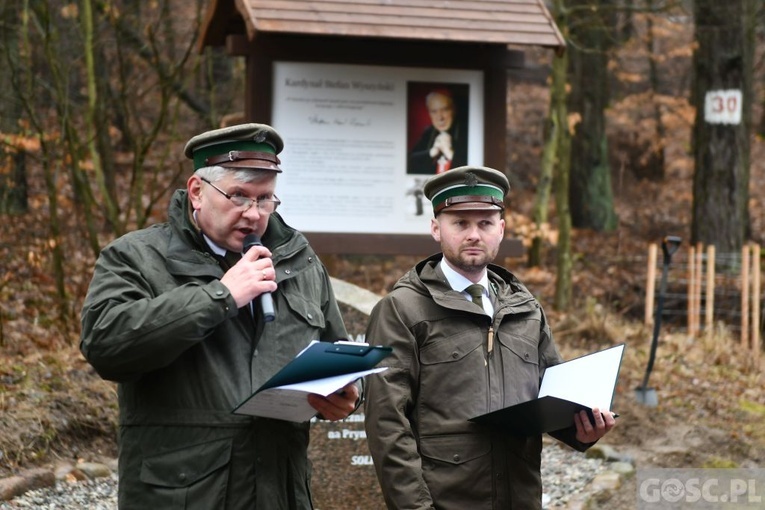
(579, 384)
(322, 368)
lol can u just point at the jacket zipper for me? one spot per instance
(490, 341)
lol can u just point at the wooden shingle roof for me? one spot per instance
(511, 22)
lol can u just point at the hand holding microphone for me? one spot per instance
(266, 300)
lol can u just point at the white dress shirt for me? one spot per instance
(460, 283)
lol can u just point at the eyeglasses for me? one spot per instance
(265, 205)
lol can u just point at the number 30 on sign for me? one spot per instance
(723, 107)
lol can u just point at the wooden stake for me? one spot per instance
(650, 284)
(697, 287)
(757, 273)
(710, 308)
(745, 297)
(691, 290)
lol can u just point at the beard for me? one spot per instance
(470, 264)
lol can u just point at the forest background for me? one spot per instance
(98, 97)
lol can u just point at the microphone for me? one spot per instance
(266, 301)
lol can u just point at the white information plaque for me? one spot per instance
(349, 134)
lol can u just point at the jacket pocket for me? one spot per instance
(525, 349)
(453, 376)
(454, 449)
(457, 469)
(520, 366)
(193, 477)
(305, 309)
(449, 350)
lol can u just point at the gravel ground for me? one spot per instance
(564, 473)
(97, 494)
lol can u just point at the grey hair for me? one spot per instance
(215, 173)
(440, 92)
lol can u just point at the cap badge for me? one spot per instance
(471, 180)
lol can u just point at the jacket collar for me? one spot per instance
(427, 278)
(186, 232)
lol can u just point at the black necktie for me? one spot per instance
(229, 259)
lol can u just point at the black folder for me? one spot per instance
(579, 384)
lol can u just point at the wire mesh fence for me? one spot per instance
(704, 290)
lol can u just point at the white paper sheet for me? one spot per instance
(589, 380)
(290, 402)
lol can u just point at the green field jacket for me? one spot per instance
(426, 452)
(158, 321)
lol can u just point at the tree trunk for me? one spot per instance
(563, 285)
(760, 21)
(559, 82)
(656, 159)
(96, 123)
(722, 95)
(590, 193)
(626, 24)
(13, 184)
(50, 163)
(547, 168)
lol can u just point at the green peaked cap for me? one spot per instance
(467, 188)
(253, 146)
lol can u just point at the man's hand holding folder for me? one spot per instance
(320, 379)
(337, 405)
(577, 392)
(586, 432)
